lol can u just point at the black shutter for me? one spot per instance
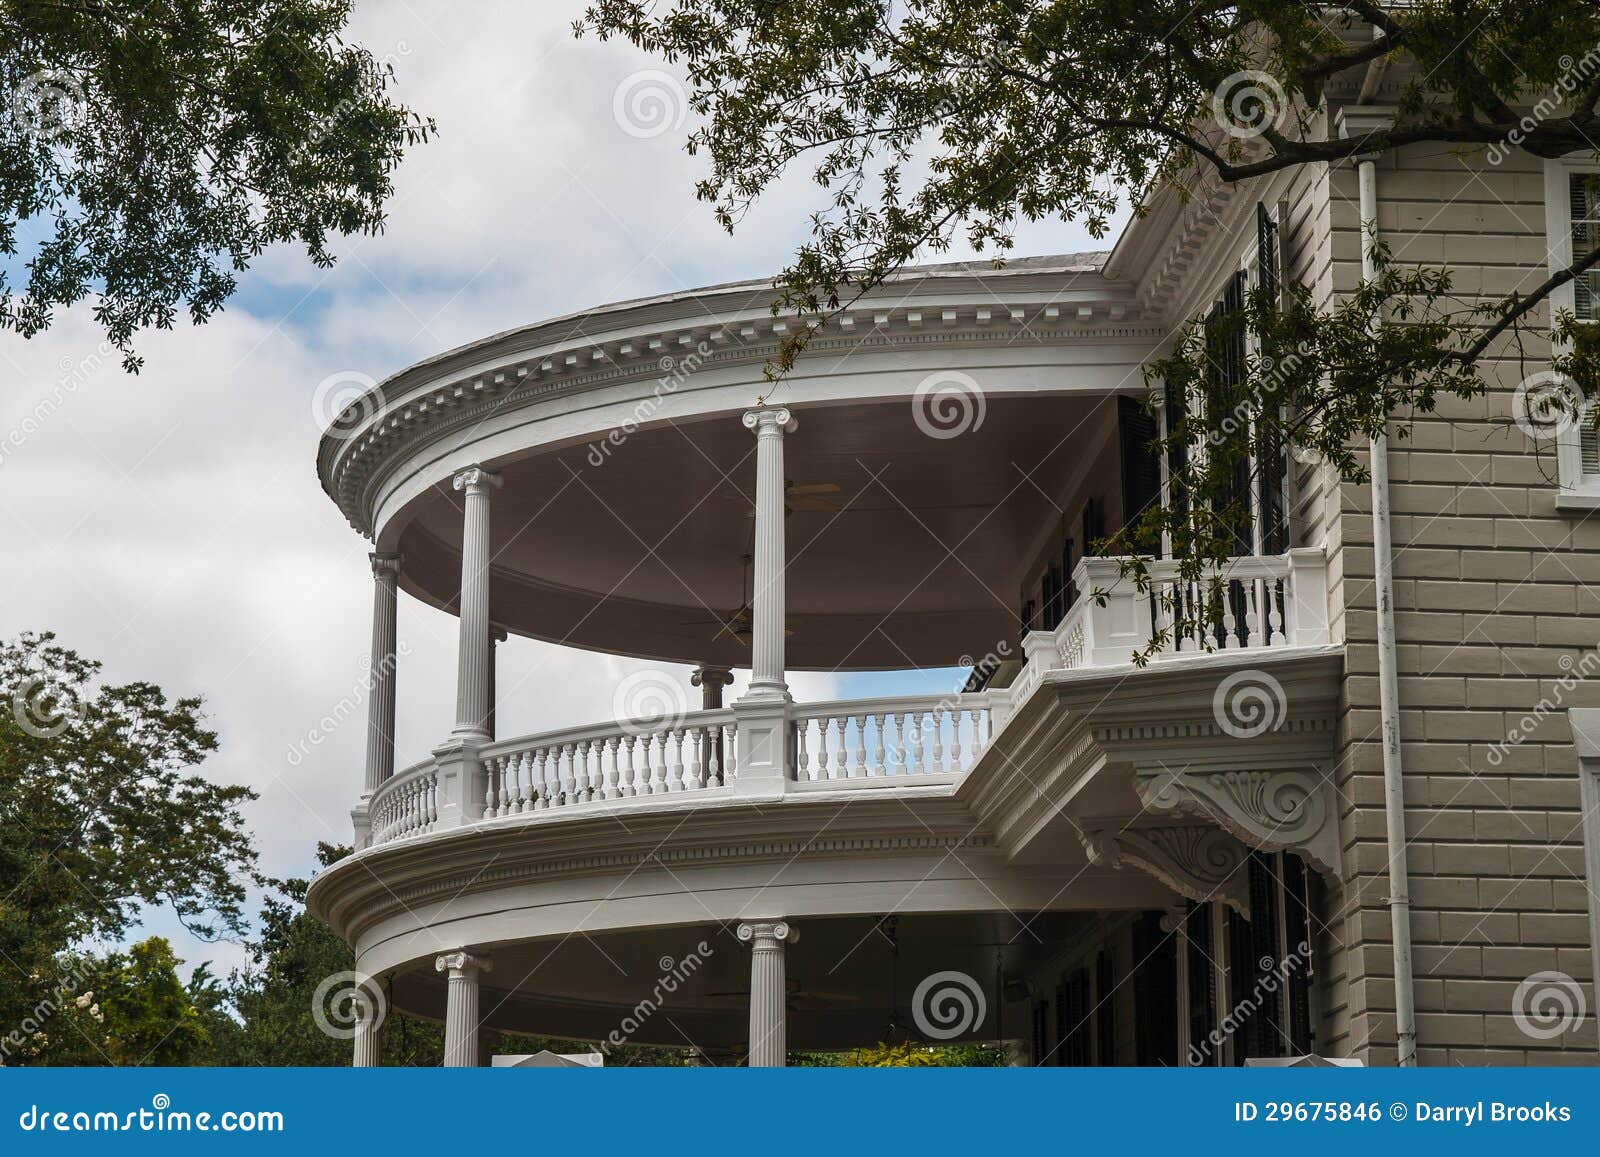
(1267, 251)
(1202, 992)
(1094, 523)
(1141, 469)
(1176, 410)
(1155, 979)
(1105, 1010)
(1297, 918)
(1272, 473)
(1068, 595)
(1026, 616)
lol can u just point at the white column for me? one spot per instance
(497, 635)
(766, 652)
(472, 669)
(768, 991)
(380, 707)
(461, 1028)
(369, 1034)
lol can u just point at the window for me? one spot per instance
(1572, 214)
(1585, 723)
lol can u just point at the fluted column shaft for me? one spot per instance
(369, 1036)
(769, 994)
(461, 1024)
(767, 609)
(474, 651)
(380, 677)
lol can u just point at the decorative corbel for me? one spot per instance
(1291, 809)
(1197, 861)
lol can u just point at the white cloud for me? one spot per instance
(172, 524)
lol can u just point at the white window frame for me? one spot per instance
(1575, 490)
(1585, 724)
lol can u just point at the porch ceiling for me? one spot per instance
(641, 554)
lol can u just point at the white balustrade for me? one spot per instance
(406, 804)
(613, 761)
(1249, 603)
(859, 739)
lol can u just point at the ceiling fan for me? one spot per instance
(736, 622)
(805, 497)
(798, 997)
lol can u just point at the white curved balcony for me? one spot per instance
(904, 741)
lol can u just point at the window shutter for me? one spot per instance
(1094, 523)
(1585, 237)
(1267, 251)
(1141, 469)
(1589, 444)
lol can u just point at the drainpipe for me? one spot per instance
(1358, 122)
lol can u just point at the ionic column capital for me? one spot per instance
(385, 566)
(709, 675)
(771, 422)
(475, 480)
(462, 964)
(768, 933)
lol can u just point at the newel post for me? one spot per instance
(1113, 632)
(1307, 604)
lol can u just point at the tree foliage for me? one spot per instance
(929, 120)
(150, 149)
(100, 815)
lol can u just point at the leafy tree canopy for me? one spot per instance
(100, 815)
(149, 149)
(929, 120)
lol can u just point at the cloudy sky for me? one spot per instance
(172, 525)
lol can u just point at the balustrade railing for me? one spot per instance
(1249, 603)
(874, 738)
(406, 805)
(612, 761)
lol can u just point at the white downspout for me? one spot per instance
(1360, 122)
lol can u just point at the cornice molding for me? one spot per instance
(421, 414)
(357, 900)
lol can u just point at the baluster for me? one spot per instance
(671, 760)
(955, 738)
(608, 768)
(490, 793)
(1254, 619)
(802, 750)
(860, 767)
(713, 764)
(880, 758)
(625, 788)
(730, 754)
(688, 752)
(648, 785)
(936, 717)
(837, 749)
(916, 767)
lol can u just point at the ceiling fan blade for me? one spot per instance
(816, 488)
(815, 505)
